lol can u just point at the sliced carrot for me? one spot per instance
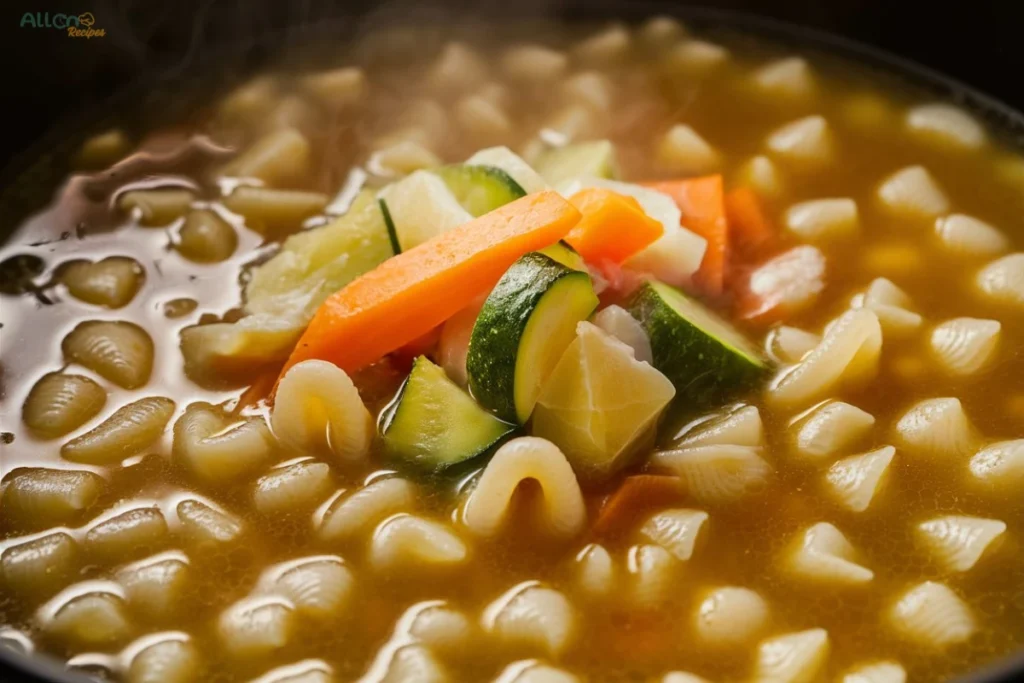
(636, 495)
(257, 391)
(421, 346)
(613, 226)
(702, 203)
(749, 229)
(410, 294)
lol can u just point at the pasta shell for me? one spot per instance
(717, 474)
(735, 426)
(1000, 466)
(534, 671)
(1002, 281)
(533, 64)
(358, 512)
(892, 306)
(958, 542)
(59, 403)
(156, 207)
(761, 175)
(317, 402)
(823, 219)
(129, 534)
(936, 428)
(848, 352)
(855, 481)
(829, 428)
(617, 322)
(409, 664)
(156, 587)
(683, 150)
(439, 626)
(401, 157)
(969, 236)
(278, 158)
(913, 193)
(481, 119)
(318, 587)
(793, 658)
(204, 527)
(268, 210)
(595, 572)
(36, 497)
(788, 80)
(216, 448)
(682, 677)
(931, 615)
(306, 671)
(534, 615)
(206, 237)
(730, 616)
(652, 573)
(112, 282)
(805, 142)
(338, 89)
(256, 627)
(604, 48)
(40, 567)
(520, 459)
(821, 553)
(86, 616)
(129, 431)
(677, 531)
(119, 351)
(789, 282)
(944, 125)
(965, 346)
(457, 68)
(171, 659)
(877, 672)
(790, 344)
(407, 542)
(694, 59)
(292, 487)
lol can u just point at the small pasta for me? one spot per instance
(119, 351)
(458, 68)
(854, 482)
(112, 282)
(206, 527)
(36, 497)
(848, 353)
(892, 305)
(591, 90)
(717, 473)
(823, 219)
(103, 148)
(789, 282)
(931, 615)
(730, 616)
(683, 150)
(155, 588)
(481, 119)
(129, 431)
(356, 513)
(617, 322)
(267, 210)
(787, 344)
(605, 48)
(969, 236)
(278, 158)
(439, 627)
(694, 59)
(876, 672)
(230, 349)
(165, 658)
(402, 157)
(534, 615)
(156, 207)
(957, 542)
(793, 658)
(249, 101)
(205, 237)
(256, 627)
(60, 403)
(661, 31)
(563, 511)
(595, 572)
(42, 566)
(127, 535)
(533, 65)
(677, 531)
(945, 125)
(1002, 281)
(738, 425)
(806, 142)
(999, 466)
(965, 346)
(761, 174)
(828, 429)
(786, 81)
(652, 572)
(292, 487)
(86, 616)
(318, 587)
(306, 671)
(317, 403)
(936, 428)
(822, 554)
(411, 663)
(405, 542)
(338, 89)
(215, 448)
(534, 671)
(912, 193)
(682, 677)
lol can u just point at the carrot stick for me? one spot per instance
(636, 495)
(408, 295)
(257, 391)
(613, 226)
(749, 229)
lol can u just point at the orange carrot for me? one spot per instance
(257, 391)
(702, 203)
(421, 346)
(613, 227)
(410, 294)
(749, 230)
(636, 495)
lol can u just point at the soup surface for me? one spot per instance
(813, 474)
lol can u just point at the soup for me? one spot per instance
(716, 376)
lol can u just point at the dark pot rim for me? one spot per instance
(1004, 120)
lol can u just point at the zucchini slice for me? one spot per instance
(593, 159)
(512, 164)
(432, 424)
(419, 207)
(706, 358)
(480, 189)
(523, 328)
(563, 252)
(389, 224)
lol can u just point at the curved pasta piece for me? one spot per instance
(969, 236)
(1002, 281)
(730, 616)
(683, 150)
(409, 664)
(60, 403)
(848, 352)
(42, 566)
(84, 616)
(652, 571)
(439, 626)
(36, 497)
(407, 542)
(155, 588)
(256, 627)
(617, 322)
(318, 587)
(761, 175)
(793, 658)
(129, 534)
(876, 672)
(855, 481)
(965, 346)
(957, 542)
(677, 531)
(790, 344)
(129, 431)
(316, 405)
(717, 474)
(936, 428)
(164, 658)
(1000, 466)
(786, 80)
(306, 671)
(292, 487)
(532, 614)
(829, 428)
(205, 237)
(821, 220)
(206, 527)
(112, 282)
(534, 671)
(119, 351)
(945, 125)
(595, 572)
(804, 142)
(520, 459)
(822, 553)
(892, 305)
(356, 513)
(931, 615)
(217, 449)
(735, 426)
(913, 193)
(682, 677)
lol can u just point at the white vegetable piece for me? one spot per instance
(913, 193)
(617, 322)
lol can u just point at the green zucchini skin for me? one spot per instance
(396, 248)
(480, 189)
(705, 369)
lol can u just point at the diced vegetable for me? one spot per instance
(480, 189)
(421, 206)
(229, 349)
(613, 228)
(705, 357)
(433, 424)
(526, 323)
(702, 204)
(410, 294)
(564, 254)
(512, 164)
(267, 210)
(593, 159)
(783, 285)
(616, 321)
(637, 496)
(750, 232)
(600, 405)
(453, 347)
